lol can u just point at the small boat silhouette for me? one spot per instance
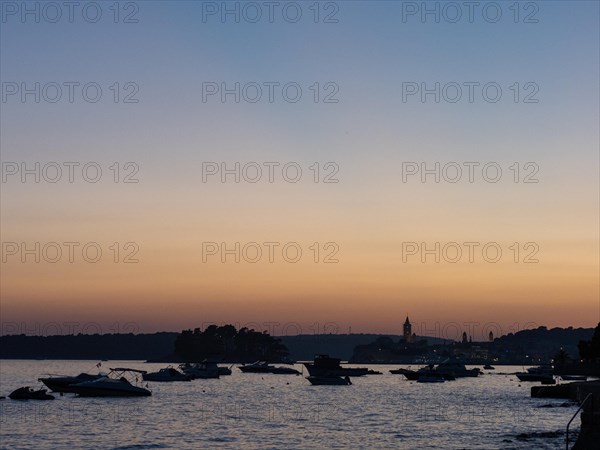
(329, 380)
(26, 393)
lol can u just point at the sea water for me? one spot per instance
(492, 411)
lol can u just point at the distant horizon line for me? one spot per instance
(399, 335)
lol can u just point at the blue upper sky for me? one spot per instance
(368, 53)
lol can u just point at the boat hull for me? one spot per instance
(328, 381)
(429, 379)
(63, 384)
(111, 392)
(414, 375)
(166, 375)
(284, 371)
(26, 393)
(335, 372)
(574, 377)
(535, 377)
(248, 369)
(460, 373)
(266, 368)
(163, 379)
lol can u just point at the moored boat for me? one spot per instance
(224, 370)
(265, 367)
(526, 376)
(256, 367)
(574, 377)
(165, 375)
(27, 393)
(115, 384)
(62, 383)
(329, 380)
(540, 373)
(543, 369)
(413, 375)
(280, 370)
(203, 370)
(324, 365)
(456, 369)
(431, 377)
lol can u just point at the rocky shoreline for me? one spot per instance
(589, 434)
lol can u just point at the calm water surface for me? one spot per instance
(281, 412)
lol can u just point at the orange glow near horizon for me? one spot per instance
(370, 289)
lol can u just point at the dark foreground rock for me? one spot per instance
(589, 435)
(586, 393)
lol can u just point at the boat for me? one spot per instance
(62, 383)
(456, 369)
(285, 371)
(400, 371)
(256, 367)
(166, 374)
(115, 384)
(265, 367)
(489, 367)
(431, 377)
(413, 375)
(324, 365)
(329, 381)
(543, 369)
(574, 377)
(540, 373)
(224, 370)
(543, 377)
(203, 370)
(27, 393)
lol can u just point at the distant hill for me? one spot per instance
(525, 347)
(161, 346)
(88, 346)
(542, 343)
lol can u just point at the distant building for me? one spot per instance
(464, 338)
(491, 337)
(409, 336)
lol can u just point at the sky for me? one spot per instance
(445, 168)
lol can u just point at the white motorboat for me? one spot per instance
(200, 370)
(62, 383)
(115, 384)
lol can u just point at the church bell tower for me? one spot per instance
(407, 333)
